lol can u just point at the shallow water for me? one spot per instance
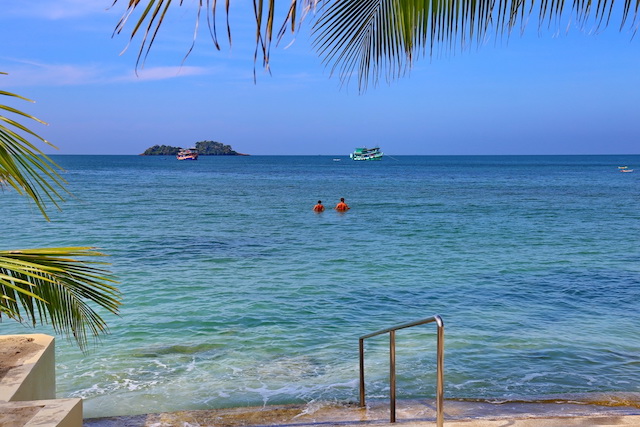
(237, 294)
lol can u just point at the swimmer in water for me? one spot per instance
(342, 206)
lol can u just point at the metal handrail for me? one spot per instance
(392, 366)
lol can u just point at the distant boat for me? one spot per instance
(625, 169)
(187, 154)
(367, 154)
(337, 160)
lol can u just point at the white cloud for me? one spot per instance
(30, 73)
(54, 10)
(163, 73)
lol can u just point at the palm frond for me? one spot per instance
(47, 285)
(23, 166)
(374, 38)
(51, 286)
(148, 16)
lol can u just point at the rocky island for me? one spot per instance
(205, 148)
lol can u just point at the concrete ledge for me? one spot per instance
(28, 385)
(27, 367)
(40, 413)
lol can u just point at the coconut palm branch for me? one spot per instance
(374, 38)
(47, 286)
(23, 166)
(150, 14)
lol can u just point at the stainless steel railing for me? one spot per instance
(392, 366)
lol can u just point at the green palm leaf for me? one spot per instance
(375, 38)
(371, 39)
(23, 166)
(47, 285)
(50, 286)
(152, 13)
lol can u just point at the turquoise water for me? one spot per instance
(237, 294)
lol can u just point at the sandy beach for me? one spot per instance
(410, 413)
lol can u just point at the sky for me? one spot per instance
(548, 91)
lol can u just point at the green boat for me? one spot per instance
(367, 154)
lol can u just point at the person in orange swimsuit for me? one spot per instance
(319, 207)
(342, 206)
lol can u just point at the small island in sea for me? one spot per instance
(205, 148)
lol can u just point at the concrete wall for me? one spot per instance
(34, 375)
(42, 413)
(28, 384)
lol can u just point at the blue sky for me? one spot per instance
(547, 92)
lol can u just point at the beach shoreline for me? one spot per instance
(409, 412)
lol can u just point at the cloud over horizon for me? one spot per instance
(60, 9)
(30, 73)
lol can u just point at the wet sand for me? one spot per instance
(409, 413)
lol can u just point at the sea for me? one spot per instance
(236, 293)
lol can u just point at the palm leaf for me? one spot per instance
(148, 16)
(23, 166)
(375, 38)
(47, 285)
(51, 286)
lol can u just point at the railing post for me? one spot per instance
(392, 366)
(440, 373)
(362, 404)
(392, 375)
